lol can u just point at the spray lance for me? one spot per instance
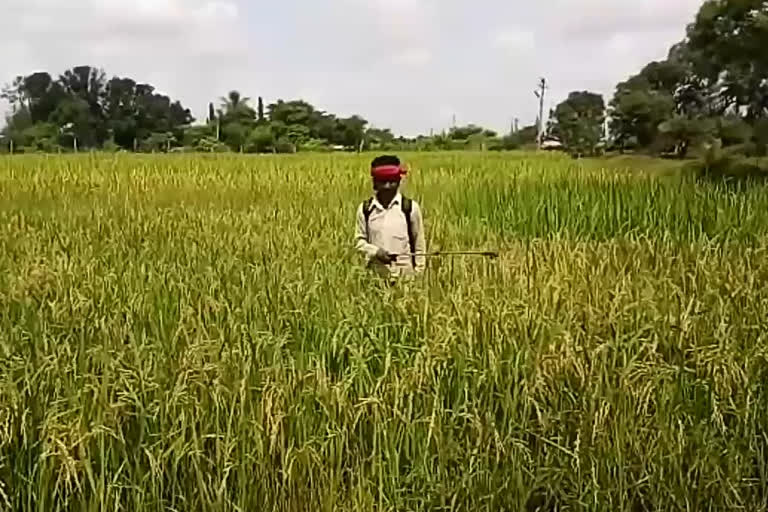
(438, 254)
(448, 254)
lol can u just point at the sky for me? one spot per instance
(409, 65)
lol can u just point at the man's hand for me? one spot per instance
(386, 258)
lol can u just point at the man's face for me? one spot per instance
(386, 190)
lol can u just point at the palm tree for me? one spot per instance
(236, 107)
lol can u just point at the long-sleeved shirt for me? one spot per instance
(388, 230)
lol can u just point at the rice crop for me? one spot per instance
(195, 332)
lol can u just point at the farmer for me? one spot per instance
(390, 228)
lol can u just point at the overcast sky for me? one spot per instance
(406, 64)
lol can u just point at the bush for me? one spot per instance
(733, 131)
(316, 146)
(719, 165)
(260, 140)
(760, 137)
(110, 146)
(506, 143)
(211, 145)
(284, 146)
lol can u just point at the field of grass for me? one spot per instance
(195, 333)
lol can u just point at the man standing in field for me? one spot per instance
(390, 227)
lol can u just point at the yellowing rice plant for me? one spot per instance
(196, 333)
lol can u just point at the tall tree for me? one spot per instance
(578, 122)
(291, 112)
(636, 116)
(727, 47)
(88, 85)
(43, 94)
(77, 124)
(237, 120)
(120, 111)
(643, 102)
(260, 112)
(236, 108)
(38, 93)
(351, 132)
(717, 78)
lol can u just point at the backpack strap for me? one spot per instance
(367, 205)
(407, 208)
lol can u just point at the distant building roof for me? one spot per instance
(551, 144)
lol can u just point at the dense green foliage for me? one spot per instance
(712, 87)
(578, 122)
(82, 109)
(195, 333)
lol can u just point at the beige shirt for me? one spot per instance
(389, 231)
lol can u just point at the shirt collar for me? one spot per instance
(398, 199)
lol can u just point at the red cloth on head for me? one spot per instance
(388, 172)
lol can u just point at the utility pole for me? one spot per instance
(540, 92)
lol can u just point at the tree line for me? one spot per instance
(82, 109)
(713, 86)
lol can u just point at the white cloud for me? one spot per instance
(515, 40)
(413, 57)
(594, 19)
(402, 17)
